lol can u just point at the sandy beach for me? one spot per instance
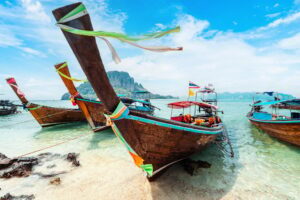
(106, 170)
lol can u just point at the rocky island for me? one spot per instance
(123, 84)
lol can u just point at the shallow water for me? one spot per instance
(263, 168)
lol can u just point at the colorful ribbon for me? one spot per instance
(68, 77)
(122, 112)
(25, 106)
(81, 11)
(37, 107)
(72, 99)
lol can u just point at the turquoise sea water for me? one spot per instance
(263, 167)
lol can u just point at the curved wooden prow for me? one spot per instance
(68, 83)
(73, 91)
(87, 53)
(13, 84)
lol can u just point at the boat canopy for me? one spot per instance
(267, 103)
(186, 104)
(292, 102)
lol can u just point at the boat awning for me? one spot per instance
(186, 104)
(291, 102)
(267, 103)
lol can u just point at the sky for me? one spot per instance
(238, 46)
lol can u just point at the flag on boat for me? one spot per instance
(193, 85)
(191, 92)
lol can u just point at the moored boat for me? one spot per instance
(93, 109)
(7, 108)
(154, 143)
(282, 127)
(46, 115)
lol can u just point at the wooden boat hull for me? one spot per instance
(162, 146)
(288, 132)
(50, 116)
(46, 115)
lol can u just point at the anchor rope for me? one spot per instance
(225, 139)
(54, 145)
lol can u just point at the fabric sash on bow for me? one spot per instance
(122, 112)
(30, 109)
(73, 98)
(80, 11)
(67, 77)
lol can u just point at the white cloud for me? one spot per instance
(273, 15)
(7, 40)
(284, 20)
(226, 60)
(32, 51)
(292, 43)
(35, 11)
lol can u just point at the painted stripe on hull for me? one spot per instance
(194, 130)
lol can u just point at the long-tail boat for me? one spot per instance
(285, 128)
(46, 115)
(7, 108)
(92, 109)
(154, 143)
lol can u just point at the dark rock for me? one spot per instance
(8, 196)
(191, 166)
(48, 156)
(2, 156)
(55, 181)
(17, 167)
(23, 167)
(72, 157)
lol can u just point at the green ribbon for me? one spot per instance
(122, 112)
(80, 11)
(148, 168)
(30, 109)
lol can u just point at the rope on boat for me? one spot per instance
(54, 145)
(223, 142)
